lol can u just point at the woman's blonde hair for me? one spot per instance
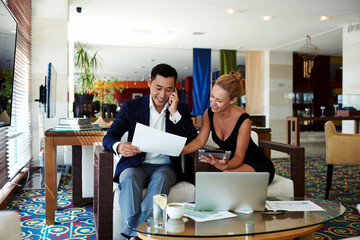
(233, 83)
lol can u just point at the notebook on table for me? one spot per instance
(231, 191)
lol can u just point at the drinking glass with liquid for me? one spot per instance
(159, 210)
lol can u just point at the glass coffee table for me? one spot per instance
(302, 224)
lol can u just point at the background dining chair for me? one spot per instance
(341, 149)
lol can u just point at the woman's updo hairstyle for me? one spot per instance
(232, 83)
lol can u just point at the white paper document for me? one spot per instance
(152, 140)
(204, 216)
(293, 206)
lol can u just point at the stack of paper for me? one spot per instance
(293, 206)
(75, 124)
(204, 216)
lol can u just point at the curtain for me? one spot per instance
(254, 82)
(201, 80)
(227, 61)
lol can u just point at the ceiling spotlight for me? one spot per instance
(78, 9)
(231, 10)
(266, 18)
(324, 18)
(198, 33)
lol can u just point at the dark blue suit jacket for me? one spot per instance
(137, 110)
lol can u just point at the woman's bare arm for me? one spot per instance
(202, 137)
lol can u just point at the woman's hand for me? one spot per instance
(220, 164)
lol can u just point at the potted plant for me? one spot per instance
(6, 85)
(87, 62)
(104, 93)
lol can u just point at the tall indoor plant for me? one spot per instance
(87, 62)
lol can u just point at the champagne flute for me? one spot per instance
(335, 109)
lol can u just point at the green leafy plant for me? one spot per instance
(104, 91)
(87, 61)
(6, 86)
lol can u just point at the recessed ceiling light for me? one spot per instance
(266, 18)
(324, 18)
(231, 10)
(142, 30)
(179, 46)
(198, 33)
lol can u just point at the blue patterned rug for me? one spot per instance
(72, 223)
(78, 223)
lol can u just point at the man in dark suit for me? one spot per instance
(137, 170)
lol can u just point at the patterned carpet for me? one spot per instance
(345, 189)
(78, 223)
(73, 223)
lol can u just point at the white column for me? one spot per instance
(278, 92)
(49, 44)
(351, 68)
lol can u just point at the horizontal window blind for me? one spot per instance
(3, 157)
(17, 138)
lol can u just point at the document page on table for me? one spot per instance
(152, 140)
(293, 206)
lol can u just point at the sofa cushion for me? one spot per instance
(10, 225)
(281, 187)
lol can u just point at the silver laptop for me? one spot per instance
(231, 190)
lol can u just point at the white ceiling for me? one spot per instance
(132, 36)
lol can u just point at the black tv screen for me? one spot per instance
(8, 32)
(51, 91)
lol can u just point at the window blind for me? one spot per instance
(15, 141)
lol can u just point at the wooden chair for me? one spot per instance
(341, 149)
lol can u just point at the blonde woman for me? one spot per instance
(230, 126)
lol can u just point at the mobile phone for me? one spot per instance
(217, 153)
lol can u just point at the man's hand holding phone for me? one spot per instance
(173, 102)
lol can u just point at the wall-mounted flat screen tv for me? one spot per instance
(51, 80)
(8, 32)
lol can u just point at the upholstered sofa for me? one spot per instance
(10, 228)
(107, 212)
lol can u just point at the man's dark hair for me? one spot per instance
(164, 70)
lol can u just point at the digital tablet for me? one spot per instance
(217, 153)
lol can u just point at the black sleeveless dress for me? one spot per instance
(254, 155)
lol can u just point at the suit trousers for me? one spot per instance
(157, 178)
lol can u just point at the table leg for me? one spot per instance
(297, 132)
(356, 127)
(50, 181)
(288, 131)
(76, 176)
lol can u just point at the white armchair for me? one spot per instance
(10, 225)
(107, 212)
